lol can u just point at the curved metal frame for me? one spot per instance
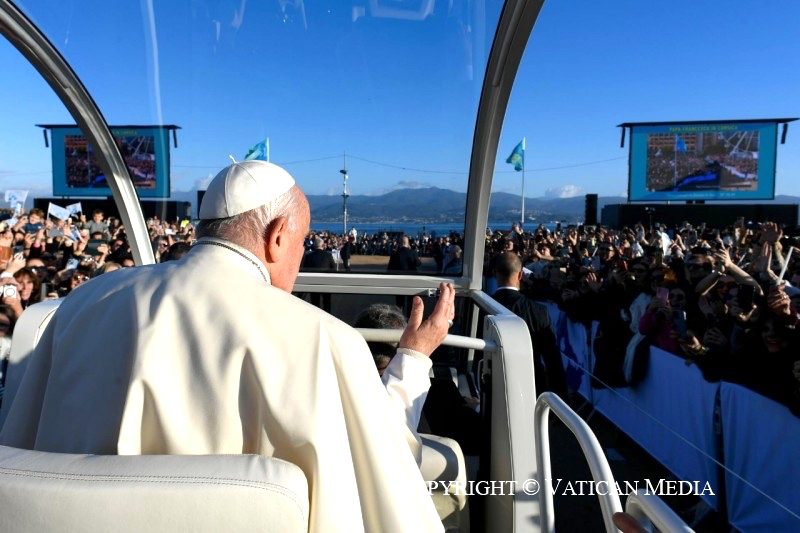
(513, 30)
(649, 509)
(40, 52)
(598, 464)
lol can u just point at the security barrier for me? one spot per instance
(743, 444)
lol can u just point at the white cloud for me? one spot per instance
(402, 184)
(405, 184)
(564, 191)
(202, 183)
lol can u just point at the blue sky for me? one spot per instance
(399, 95)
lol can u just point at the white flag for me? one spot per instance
(58, 212)
(74, 209)
(16, 196)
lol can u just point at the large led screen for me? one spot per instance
(77, 172)
(702, 161)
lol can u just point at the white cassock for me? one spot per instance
(202, 356)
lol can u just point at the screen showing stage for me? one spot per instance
(77, 172)
(702, 161)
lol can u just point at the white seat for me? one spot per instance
(27, 332)
(64, 492)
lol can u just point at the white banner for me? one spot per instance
(58, 212)
(16, 196)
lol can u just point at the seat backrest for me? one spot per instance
(42, 491)
(27, 333)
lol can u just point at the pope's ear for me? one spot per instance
(276, 239)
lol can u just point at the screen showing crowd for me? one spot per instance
(731, 161)
(77, 170)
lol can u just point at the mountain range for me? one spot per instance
(434, 205)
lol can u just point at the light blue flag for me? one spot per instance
(258, 152)
(517, 157)
(680, 146)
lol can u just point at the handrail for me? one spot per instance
(649, 509)
(598, 464)
(393, 336)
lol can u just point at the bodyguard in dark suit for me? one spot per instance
(546, 355)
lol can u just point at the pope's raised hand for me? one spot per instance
(426, 335)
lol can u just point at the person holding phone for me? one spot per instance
(657, 323)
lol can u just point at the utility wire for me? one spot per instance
(388, 165)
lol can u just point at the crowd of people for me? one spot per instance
(668, 171)
(725, 299)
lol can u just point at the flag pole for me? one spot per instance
(522, 214)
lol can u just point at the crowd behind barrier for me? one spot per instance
(742, 443)
(654, 323)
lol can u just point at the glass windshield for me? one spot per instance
(375, 100)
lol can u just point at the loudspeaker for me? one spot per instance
(590, 211)
(200, 195)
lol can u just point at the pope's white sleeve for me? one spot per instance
(407, 382)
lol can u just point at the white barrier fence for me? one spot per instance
(752, 464)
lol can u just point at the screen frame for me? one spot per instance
(160, 136)
(638, 130)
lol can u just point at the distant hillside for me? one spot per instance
(432, 205)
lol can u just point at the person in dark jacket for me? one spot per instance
(546, 355)
(320, 260)
(404, 259)
(347, 251)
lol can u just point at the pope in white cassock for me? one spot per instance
(213, 355)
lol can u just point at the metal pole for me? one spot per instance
(522, 214)
(344, 193)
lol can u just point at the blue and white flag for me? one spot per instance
(74, 209)
(259, 152)
(517, 157)
(680, 146)
(57, 211)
